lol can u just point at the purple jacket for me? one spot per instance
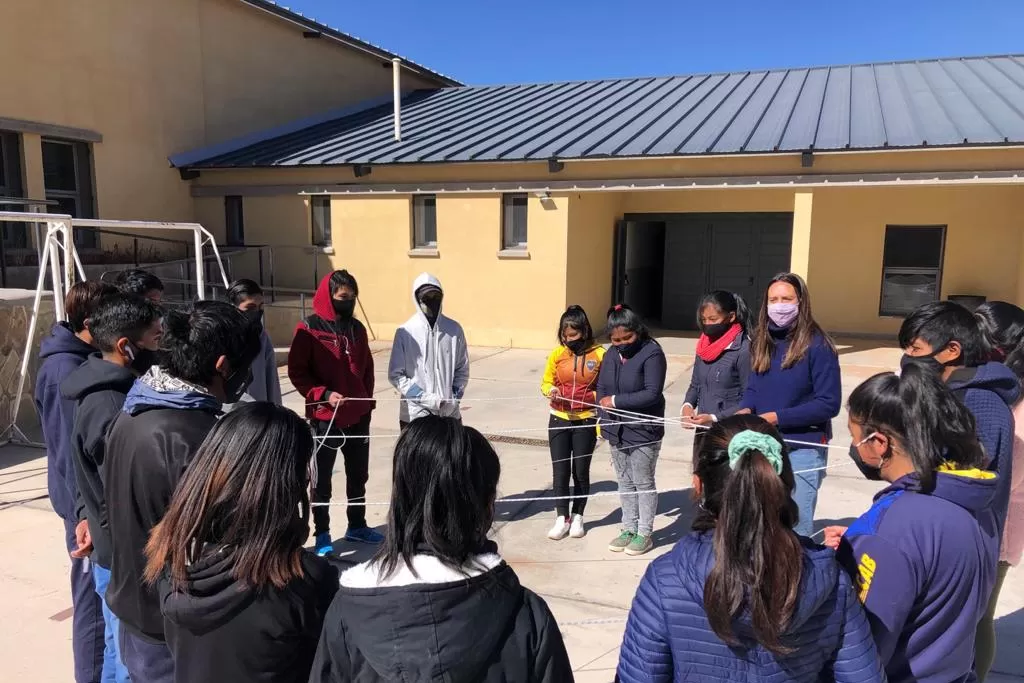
(925, 565)
(668, 637)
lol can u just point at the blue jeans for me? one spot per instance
(147, 661)
(805, 494)
(113, 668)
(87, 617)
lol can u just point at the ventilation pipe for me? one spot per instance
(396, 77)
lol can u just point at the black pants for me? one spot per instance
(354, 444)
(571, 453)
(146, 661)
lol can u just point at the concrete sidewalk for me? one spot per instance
(578, 578)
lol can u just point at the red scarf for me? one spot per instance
(709, 351)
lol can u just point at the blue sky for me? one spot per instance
(486, 41)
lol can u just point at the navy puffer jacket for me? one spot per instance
(668, 637)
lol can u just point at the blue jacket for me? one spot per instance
(716, 388)
(989, 391)
(668, 637)
(925, 565)
(638, 386)
(805, 396)
(61, 353)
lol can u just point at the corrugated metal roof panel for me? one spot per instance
(970, 101)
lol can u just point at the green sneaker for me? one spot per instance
(639, 545)
(620, 543)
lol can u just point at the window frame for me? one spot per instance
(83, 195)
(509, 241)
(424, 207)
(936, 271)
(14, 235)
(322, 203)
(230, 238)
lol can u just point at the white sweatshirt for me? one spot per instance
(429, 364)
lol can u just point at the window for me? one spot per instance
(67, 179)
(911, 267)
(424, 221)
(234, 222)
(513, 221)
(15, 235)
(320, 217)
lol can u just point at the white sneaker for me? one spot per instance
(576, 529)
(560, 530)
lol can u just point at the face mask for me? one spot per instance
(140, 360)
(343, 310)
(927, 361)
(236, 384)
(629, 350)
(716, 330)
(870, 472)
(431, 307)
(577, 346)
(783, 315)
(255, 316)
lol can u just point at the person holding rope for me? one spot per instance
(795, 384)
(924, 556)
(630, 390)
(743, 597)
(722, 365)
(570, 381)
(331, 365)
(429, 363)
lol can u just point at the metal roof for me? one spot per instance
(920, 104)
(315, 27)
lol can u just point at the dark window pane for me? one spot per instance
(913, 247)
(321, 214)
(902, 293)
(59, 166)
(233, 220)
(514, 219)
(424, 219)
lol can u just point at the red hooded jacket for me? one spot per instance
(326, 356)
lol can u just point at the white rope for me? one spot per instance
(314, 470)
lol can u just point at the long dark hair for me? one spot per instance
(801, 335)
(726, 302)
(247, 488)
(758, 557)
(444, 484)
(1002, 324)
(918, 412)
(576, 318)
(625, 317)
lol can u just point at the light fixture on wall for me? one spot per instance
(361, 170)
(543, 195)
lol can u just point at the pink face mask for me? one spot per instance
(783, 315)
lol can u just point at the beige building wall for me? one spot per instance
(158, 78)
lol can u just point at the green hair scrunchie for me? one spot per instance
(749, 440)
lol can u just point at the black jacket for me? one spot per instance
(219, 631)
(147, 453)
(98, 387)
(480, 630)
(638, 385)
(716, 387)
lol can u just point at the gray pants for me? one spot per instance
(634, 468)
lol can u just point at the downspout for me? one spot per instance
(396, 77)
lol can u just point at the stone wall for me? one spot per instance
(15, 314)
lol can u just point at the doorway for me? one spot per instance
(665, 263)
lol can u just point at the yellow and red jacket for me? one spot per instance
(575, 377)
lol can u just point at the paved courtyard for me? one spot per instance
(581, 581)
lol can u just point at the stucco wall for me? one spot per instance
(588, 272)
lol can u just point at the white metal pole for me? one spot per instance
(200, 284)
(57, 285)
(396, 78)
(220, 263)
(30, 337)
(69, 259)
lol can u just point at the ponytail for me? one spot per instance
(758, 558)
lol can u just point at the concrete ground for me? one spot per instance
(578, 578)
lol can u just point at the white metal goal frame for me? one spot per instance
(59, 237)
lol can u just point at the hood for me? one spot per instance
(994, 377)
(421, 280)
(694, 557)
(322, 305)
(456, 627)
(63, 340)
(157, 389)
(96, 374)
(212, 596)
(972, 489)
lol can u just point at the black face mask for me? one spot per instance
(627, 351)
(236, 384)
(255, 317)
(716, 330)
(577, 346)
(343, 310)
(431, 307)
(928, 361)
(870, 473)
(140, 360)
